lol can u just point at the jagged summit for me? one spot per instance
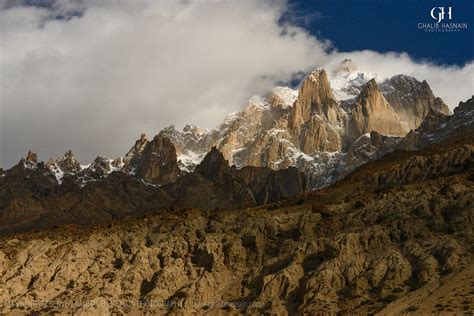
(373, 113)
(31, 157)
(315, 97)
(369, 90)
(64, 165)
(30, 161)
(213, 166)
(411, 99)
(132, 157)
(158, 161)
(347, 65)
(438, 126)
(68, 163)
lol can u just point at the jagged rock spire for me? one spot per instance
(68, 163)
(347, 65)
(373, 113)
(133, 155)
(315, 97)
(412, 99)
(158, 162)
(316, 116)
(214, 166)
(31, 157)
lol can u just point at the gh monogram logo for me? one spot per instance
(440, 11)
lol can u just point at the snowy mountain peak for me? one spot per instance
(31, 160)
(324, 129)
(64, 165)
(197, 131)
(282, 96)
(31, 157)
(347, 65)
(68, 163)
(347, 84)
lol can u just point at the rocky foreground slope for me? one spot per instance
(395, 236)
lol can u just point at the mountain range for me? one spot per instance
(282, 145)
(393, 237)
(352, 195)
(334, 123)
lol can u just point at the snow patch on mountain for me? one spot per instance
(57, 172)
(283, 96)
(347, 85)
(188, 161)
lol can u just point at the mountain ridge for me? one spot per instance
(313, 129)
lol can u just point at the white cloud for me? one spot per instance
(93, 82)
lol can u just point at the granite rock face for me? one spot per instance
(316, 117)
(324, 118)
(412, 100)
(373, 113)
(437, 127)
(134, 154)
(158, 163)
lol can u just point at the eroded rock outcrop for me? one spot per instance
(419, 167)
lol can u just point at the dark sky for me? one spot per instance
(388, 25)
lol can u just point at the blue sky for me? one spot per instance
(388, 25)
